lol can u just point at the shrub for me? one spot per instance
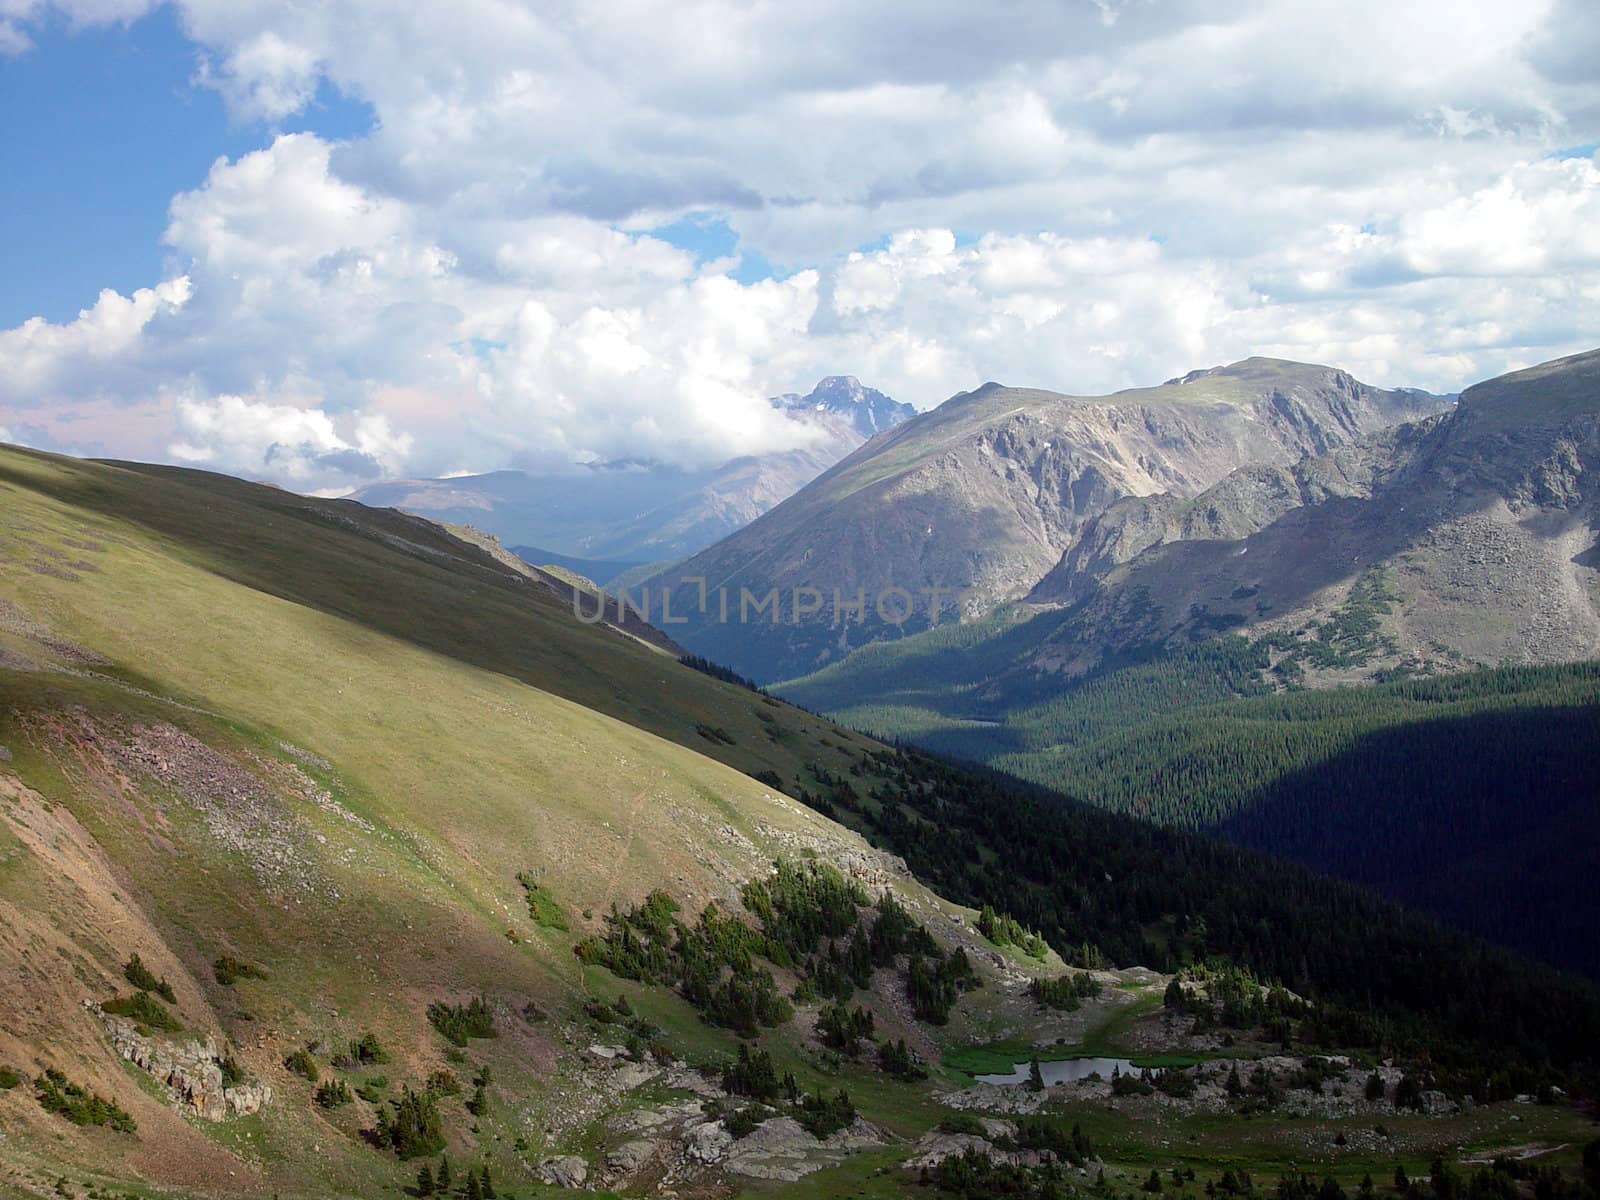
(372, 1089)
(1130, 1085)
(1045, 1133)
(845, 1029)
(823, 1116)
(1065, 992)
(333, 1093)
(145, 1011)
(934, 990)
(78, 1104)
(302, 1064)
(136, 973)
(543, 907)
(1408, 1093)
(1005, 930)
(232, 1073)
(9, 1079)
(458, 1022)
(412, 1128)
(229, 970)
(753, 1074)
(1175, 1081)
(745, 1121)
(897, 1060)
(367, 1051)
(444, 1083)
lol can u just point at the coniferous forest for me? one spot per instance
(1448, 794)
(1104, 888)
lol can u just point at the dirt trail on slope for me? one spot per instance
(630, 834)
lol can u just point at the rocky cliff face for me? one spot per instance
(1248, 500)
(1481, 523)
(985, 494)
(865, 410)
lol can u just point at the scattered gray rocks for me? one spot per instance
(996, 1098)
(1341, 1093)
(936, 1146)
(239, 809)
(782, 1151)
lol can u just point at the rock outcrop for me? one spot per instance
(191, 1070)
(564, 1171)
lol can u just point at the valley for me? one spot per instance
(351, 818)
(1376, 661)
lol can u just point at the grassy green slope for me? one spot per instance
(262, 635)
(266, 602)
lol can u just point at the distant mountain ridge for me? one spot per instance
(1464, 539)
(1480, 522)
(634, 511)
(986, 492)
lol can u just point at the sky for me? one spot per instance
(324, 244)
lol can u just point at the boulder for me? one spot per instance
(630, 1156)
(630, 1075)
(564, 1171)
(707, 1144)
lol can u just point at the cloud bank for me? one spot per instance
(1080, 196)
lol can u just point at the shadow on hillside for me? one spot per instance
(381, 569)
(1485, 820)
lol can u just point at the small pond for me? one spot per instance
(1066, 1070)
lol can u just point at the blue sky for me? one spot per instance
(103, 126)
(319, 242)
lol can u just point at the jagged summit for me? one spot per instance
(867, 410)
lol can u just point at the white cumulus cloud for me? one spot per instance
(1080, 196)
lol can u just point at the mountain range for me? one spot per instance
(604, 517)
(985, 494)
(338, 855)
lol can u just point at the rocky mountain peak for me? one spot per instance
(866, 410)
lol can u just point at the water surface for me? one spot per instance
(1066, 1070)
